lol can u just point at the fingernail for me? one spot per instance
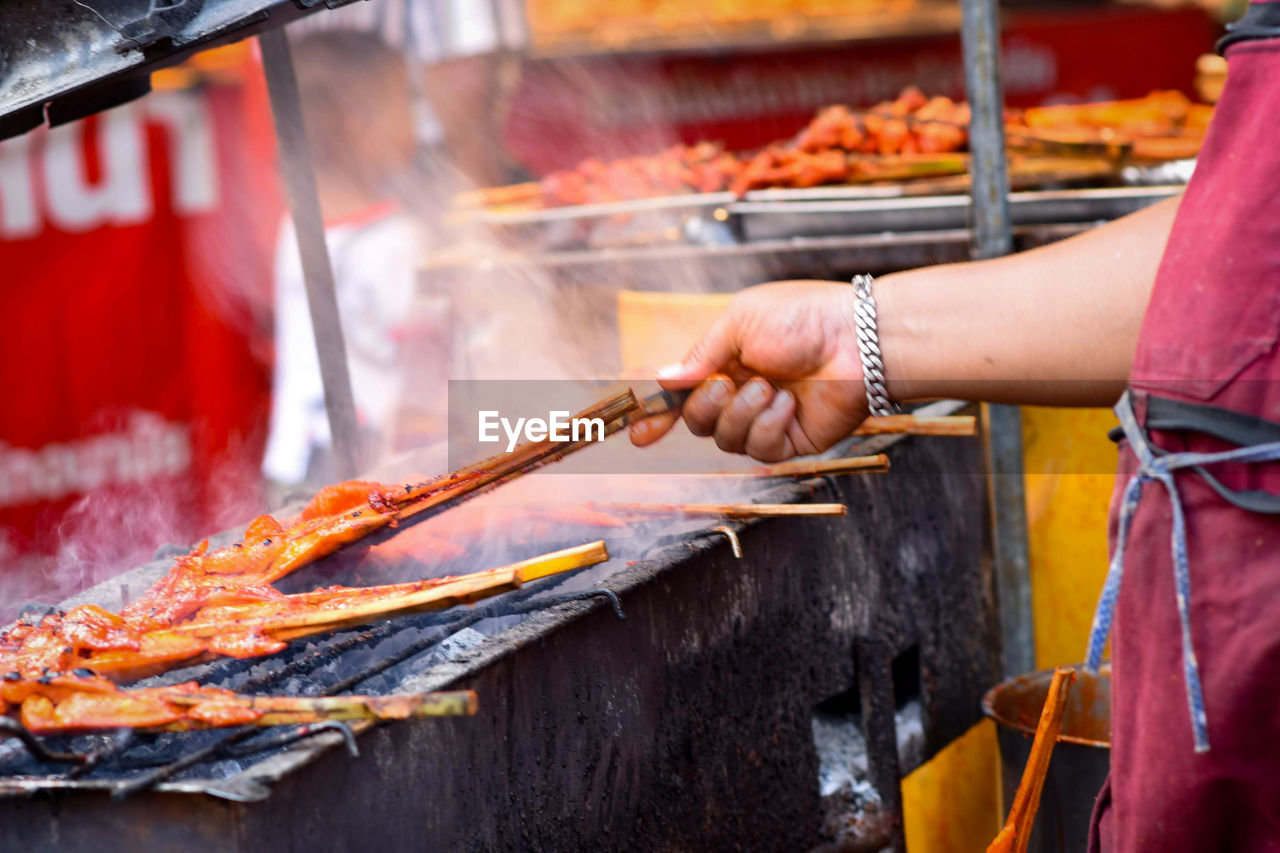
(719, 392)
(777, 408)
(755, 392)
(671, 371)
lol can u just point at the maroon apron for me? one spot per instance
(1209, 336)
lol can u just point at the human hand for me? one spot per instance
(778, 374)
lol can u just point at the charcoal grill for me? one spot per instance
(685, 725)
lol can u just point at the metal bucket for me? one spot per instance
(1080, 760)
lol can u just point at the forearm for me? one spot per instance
(1056, 325)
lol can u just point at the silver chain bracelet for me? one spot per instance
(864, 315)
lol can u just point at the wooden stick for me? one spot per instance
(301, 622)
(1015, 835)
(292, 710)
(919, 425)
(186, 711)
(876, 463)
(426, 499)
(189, 642)
(460, 703)
(384, 512)
(812, 468)
(740, 510)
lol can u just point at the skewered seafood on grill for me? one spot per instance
(69, 704)
(253, 625)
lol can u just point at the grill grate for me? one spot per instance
(375, 660)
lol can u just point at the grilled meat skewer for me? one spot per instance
(71, 704)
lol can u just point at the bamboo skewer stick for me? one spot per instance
(292, 710)
(381, 514)
(460, 590)
(882, 425)
(919, 425)
(729, 510)
(395, 509)
(876, 463)
(1016, 834)
(420, 502)
(469, 589)
(384, 512)
(189, 642)
(161, 710)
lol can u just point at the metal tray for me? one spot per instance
(776, 220)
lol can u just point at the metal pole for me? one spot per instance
(308, 223)
(992, 237)
(980, 32)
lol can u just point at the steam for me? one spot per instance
(487, 305)
(481, 309)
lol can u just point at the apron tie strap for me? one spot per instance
(1152, 467)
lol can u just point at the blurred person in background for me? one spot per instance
(357, 105)
(461, 59)
(457, 52)
(1175, 310)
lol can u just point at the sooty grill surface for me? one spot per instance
(687, 726)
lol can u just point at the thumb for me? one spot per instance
(716, 349)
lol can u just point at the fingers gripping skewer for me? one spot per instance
(955, 425)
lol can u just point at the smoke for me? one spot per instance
(490, 302)
(483, 301)
(134, 482)
(499, 302)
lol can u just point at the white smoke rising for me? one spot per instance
(483, 308)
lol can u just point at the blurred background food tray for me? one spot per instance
(774, 220)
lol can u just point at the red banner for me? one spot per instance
(134, 362)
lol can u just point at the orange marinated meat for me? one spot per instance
(825, 167)
(339, 498)
(69, 704)
(939, 138)
(244, 645)
(221, 714)
(227, 592)
(59, 639)
(912, 123)
(239, 573)
(908, 102)
(15, 691)
(244, 570)
(87, 705)
(88, 711)
(701, 168)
